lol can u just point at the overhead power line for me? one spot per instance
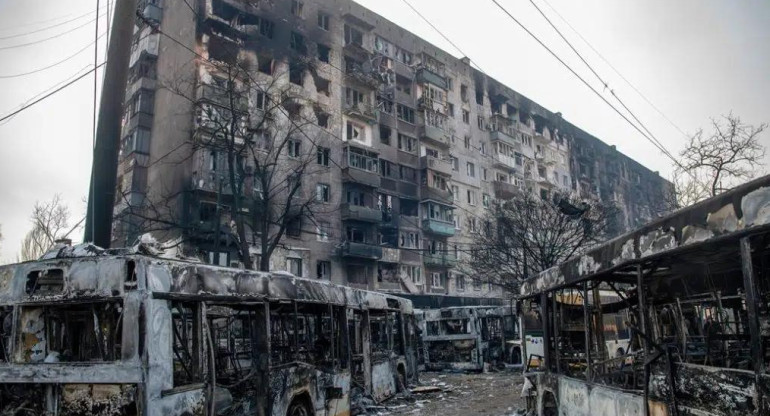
(605, 83)
(598, 94)
(3, 48)
(630, 84)
(661, 146)
(50, 94)
(18, 35)
(35, 71)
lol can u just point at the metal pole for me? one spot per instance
(643, 325)
(750, 287)
(104, 171)
(587, 324)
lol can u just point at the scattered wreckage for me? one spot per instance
(468, 338)
(694, 290)
(89, 331)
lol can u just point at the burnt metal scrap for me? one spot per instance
(124, 334)
(733, 213)
(671, 319)
(473, 338)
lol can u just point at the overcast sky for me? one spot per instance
(693, 59)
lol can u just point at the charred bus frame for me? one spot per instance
(131, 334)
(467, 338)
(695, 288)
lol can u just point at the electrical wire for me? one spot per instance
(605, 83)
(58, 35)
(25, 107)
(18, 35)
(615, 69)
(598, 94)
(35, 71)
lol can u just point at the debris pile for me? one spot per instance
(451, 394)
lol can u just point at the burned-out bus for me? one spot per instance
(468, 338)
(693, 291)
(126, 334)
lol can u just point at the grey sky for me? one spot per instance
(692, 58)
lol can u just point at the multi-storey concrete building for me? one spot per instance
(415, 142)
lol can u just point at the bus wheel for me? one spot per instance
(550, 408)
(298, 408)
(401, 379)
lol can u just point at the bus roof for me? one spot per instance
(742, 211)
(110, 275)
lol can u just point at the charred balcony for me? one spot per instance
(438, 227)
(505, 190)
(361, 167)
(361, 213)
(358, 250)
(442, 166)
(439, 260)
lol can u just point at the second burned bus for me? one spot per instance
(130, 335)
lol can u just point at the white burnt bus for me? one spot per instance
(692, 296)
(126, 334)
(468, 338)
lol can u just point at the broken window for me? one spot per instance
(294, 266)
(233, 341)
(186, 343)
(353, 36)
(323, 21)
(297, 7)
(73, 333)
(405, 113)
(324, 53)
(297, 42)
(323, 156)
(45, 282)
(296, 73)
(323, 270)
(380, 345)
(266, 64)
(323, 86)
(323, 118)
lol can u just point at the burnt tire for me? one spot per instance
(299, 408)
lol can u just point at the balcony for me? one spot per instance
(506, 138)
(545, 182)
(436, 135)
(426, 75)
(361, 177)
(359, 213)
(147, 45)
(439, 260)
(504, 161)
(438, 165)
(435, 194)
(504, 190)
(391, 255)
(361, 111)
(443, 228)
(360, 250)
(222, 97)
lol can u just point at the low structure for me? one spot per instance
(693, 288)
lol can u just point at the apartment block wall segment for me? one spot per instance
(416, 141)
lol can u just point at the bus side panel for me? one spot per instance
(177, 404)
(578, 398)
(383, 380)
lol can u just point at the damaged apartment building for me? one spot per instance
(412, 143)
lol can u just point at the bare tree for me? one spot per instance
(259, 139)
(50, 222)
(527, 235)
(714, 162)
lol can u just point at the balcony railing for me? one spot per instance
(435, 194)
(439, 260)
(505, 137)
(391, 255)
(360, 250)
(361, 110)
(439, 227)
(435, 134)
(427, 75)
(439, 165)
(505, 190)
(359, 213)
(504, 160)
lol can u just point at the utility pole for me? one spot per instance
(101, 195)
